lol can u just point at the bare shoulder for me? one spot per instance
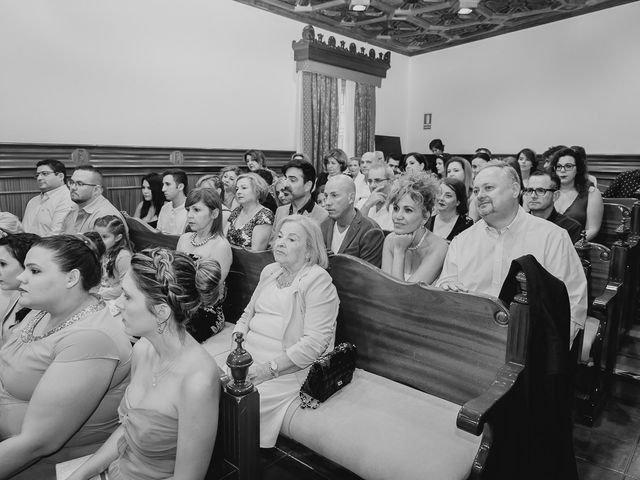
(201, 373)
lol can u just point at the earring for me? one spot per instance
(162, 326)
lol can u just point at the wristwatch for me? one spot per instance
(273, 368)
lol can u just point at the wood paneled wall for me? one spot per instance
(123, 168)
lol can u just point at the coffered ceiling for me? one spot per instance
(412, 27)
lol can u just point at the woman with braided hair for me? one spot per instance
(64, 368)
(169, 412)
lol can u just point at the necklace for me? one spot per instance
(27, 335)
(157, 376)
(420, 242)
(285, 279)
(202, 242)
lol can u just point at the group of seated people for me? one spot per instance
(103, 351)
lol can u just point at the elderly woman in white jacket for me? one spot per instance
(290, 321)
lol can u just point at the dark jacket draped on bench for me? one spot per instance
(547, 448)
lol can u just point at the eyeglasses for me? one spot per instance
(567, 167)
(45, 173)
(538, 191)
(376, 181)
(73, 183)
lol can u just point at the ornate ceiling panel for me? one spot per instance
(412, 27)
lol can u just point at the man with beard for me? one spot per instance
(52, 212)
(478, 259)
(299, 181)
(347, 230)
(86, 191)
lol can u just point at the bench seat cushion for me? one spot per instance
(380, 429)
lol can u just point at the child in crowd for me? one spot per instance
(117, 258)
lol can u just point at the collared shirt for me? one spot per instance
(50, 213)
(172, 221)
(362, 189)
(382, 217)
(86, 216)
(306, 208)
(480, 258)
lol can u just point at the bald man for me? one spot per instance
(478, 259)
(347, 230)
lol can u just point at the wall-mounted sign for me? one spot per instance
(427, 122)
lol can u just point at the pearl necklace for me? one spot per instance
(202, 242)
(420, 242)
(27, 336)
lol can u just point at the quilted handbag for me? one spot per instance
(328, 374)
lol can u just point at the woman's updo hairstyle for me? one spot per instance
(18, 244)
(421, 187)
(82, 252)
(174, 278)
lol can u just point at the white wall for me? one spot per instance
(571, 82)
(188, 73)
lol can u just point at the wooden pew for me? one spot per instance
(143, 236)
(468, 350)
(605, 270)
(615, 219)
(242, 279)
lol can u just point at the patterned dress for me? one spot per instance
(241, 237)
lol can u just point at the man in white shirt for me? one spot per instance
(366, 162)
(172, 218)
(347, 230)
(479, 258)
(86, 191)
(380, 181)
(52, 212)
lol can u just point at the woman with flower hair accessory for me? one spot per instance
(169, 412)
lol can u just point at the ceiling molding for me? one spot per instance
(413, 27)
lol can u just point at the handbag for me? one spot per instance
(328, 374)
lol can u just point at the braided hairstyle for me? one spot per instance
(174, 278)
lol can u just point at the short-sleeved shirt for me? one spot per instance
(22, 366)
(242, 236)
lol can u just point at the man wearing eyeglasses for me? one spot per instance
(86, 191)
(379, 180)
(539, 197)
(52, 212)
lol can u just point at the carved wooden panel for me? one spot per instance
(412, 27)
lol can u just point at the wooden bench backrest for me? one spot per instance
(611, 220)
(446, 344)
(242, 279)
(627, 202)
(600, 259)
(142, 236)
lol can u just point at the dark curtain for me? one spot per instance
(365, 118)
(319, 116)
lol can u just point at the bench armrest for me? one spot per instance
(605, 300)
(473, 414)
